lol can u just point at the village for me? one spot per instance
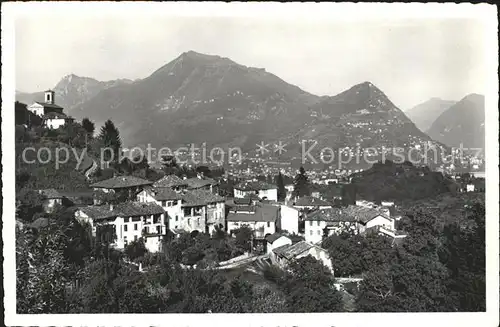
(283, 228)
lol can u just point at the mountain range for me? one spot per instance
(462, 123)
(199, 98)
(72, 90)
(424, 114)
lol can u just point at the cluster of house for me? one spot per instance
(171, 203)
(185, 205)
(52, 115)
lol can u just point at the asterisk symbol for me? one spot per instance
(280, 148)
(262, 147)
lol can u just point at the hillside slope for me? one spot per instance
(424, 114)
(462, 123)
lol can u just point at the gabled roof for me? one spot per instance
(99, 212)
(363, 214)
(310, 201)
(330, 215)
(54, 115)
(195, 182)
(196, 198)
(164, 194)
(290, 251)
(131, 209)
(49, 105)
(127, 209)
(272, 238)
(121, 182)
(264, 213)
(170, 181)
(255, 186)
(51, 194)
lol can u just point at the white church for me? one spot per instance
(52, 114)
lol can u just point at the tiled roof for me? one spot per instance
(130, 209)
(273, 237)
(127, 209)
(54, 115)
(51, 193)
(164, 193)
(254, 186)
(99, 212)
(363, 214)
(310, 201)
(195, 182)
(291, 251)
(266, 213)
(49, 105)
(169, 181)
(121, 182)
(195, 198)
(330, 214)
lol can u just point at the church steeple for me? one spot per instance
(49, 96)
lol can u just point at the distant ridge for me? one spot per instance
(424, 114)
(462, 123)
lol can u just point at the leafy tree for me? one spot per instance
(110, 137)
(41, 271)
(244, 237)
(281, 187)
(309, 287)
(136, 249)
(301, 184)
(464, 253)
(29, 203)
(88, 126)
(169, 165)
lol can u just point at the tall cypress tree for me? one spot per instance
(281, 187)
(301, 184)
(110, 137)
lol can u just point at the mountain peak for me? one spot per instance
(198, 56)
(474, 97)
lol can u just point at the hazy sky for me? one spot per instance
(411, 61)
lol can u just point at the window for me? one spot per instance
(176, 217)
(311, 232)
(125, 228)
(310, 223)
(135, 226)
(319, 232)
(317, 222)
(268, 224)
(135, 237)
(163, 203)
